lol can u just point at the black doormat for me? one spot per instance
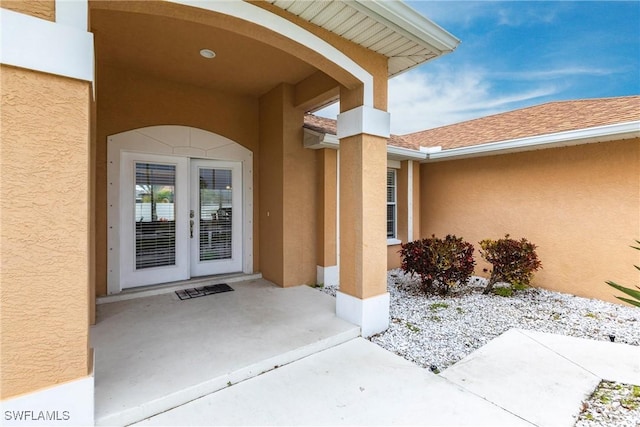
(203, 291)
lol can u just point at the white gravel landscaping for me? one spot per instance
(435, 332)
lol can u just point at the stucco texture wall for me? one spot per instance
(44, 230)
(44, 9)
(288, 192)
(127, 100)
(580, 205)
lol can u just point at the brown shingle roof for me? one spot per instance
(324, 125)
(320, 124)
(532, 121)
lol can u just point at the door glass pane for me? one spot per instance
(215, 214)
(155, 215)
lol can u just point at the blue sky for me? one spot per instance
(515, 54)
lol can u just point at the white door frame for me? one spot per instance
(197, 267)
(129, 276)
(181, 141)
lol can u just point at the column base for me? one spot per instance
(68, 404)
(371, 314)
(328, 276)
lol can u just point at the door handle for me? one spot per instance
(191, 215)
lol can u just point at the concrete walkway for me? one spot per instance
(520, 378)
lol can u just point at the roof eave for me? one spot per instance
(401, 153)
(316, 140)
(604, 133)
(406, 21)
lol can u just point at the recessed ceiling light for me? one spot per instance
(207, 53)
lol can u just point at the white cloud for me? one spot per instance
(419, 100)
(507, 13)
(554, 73)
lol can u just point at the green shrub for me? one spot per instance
(631, 292)
(503, 292)
(513, 261)
(440, 263)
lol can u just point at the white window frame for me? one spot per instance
(393, 240)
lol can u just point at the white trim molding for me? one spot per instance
(364, 119)
(49, 47)
(179, 141)
(371, 314)
(328, 276)
(67, 404)
(560, 139)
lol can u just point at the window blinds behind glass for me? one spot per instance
(155, 215)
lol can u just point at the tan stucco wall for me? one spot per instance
(288, 192)
(127, 100)
(393, 257)
(45, 9)
(44, 211)
(580, 205)
(327, 197)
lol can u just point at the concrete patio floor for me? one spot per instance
(157, 352)
(520, 378)
(162, 361)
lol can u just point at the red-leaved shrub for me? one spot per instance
(513, 261)
(440, 263)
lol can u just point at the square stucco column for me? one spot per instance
(363, 298)
(326, 213)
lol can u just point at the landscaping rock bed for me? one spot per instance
(436, 332)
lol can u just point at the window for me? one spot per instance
(391, 203)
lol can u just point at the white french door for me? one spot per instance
(179, 218)
(215, 217)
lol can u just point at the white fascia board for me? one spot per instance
(560, 139)
(401, 153)
(49, 47)
(317, 140)
(406, 21)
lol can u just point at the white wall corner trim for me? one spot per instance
(67, 404)
(364, 119)
(41, 45)
(371, 314)
(74, 13)
(328, 276)
(409, 201)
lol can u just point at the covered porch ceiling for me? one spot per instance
(167, 45)
(169, 49)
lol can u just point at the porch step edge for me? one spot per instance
(179, 398)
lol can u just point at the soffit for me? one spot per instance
(390, 28)
(168, 48)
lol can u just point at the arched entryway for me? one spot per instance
(179, 206)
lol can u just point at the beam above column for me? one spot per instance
(364, 119)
